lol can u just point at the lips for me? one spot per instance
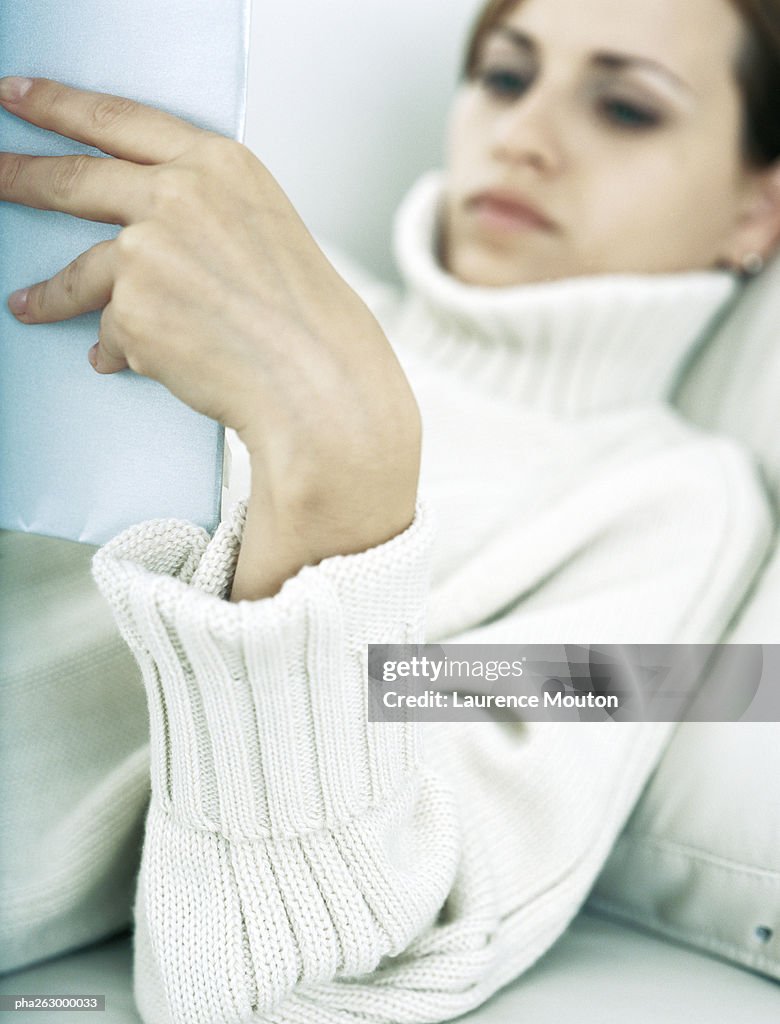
(507, 211)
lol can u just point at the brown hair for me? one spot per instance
(757, 70)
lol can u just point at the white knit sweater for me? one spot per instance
(302, 864)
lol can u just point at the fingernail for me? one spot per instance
(92, 355)
(13, 89)
(17, 301)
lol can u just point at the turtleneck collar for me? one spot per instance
(567, 347)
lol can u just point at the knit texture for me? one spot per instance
(301, 864)
(255, 703)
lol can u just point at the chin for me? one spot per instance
(482, 264)
(492, 271)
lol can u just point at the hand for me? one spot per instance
(215, 288)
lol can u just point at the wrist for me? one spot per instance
(345, 487)
(317, 517)
(303, 524)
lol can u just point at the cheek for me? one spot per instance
(661, 203)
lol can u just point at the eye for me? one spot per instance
(504, 82)
(630, 115)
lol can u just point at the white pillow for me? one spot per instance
(700, 857)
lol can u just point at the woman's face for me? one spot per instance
(598, 136)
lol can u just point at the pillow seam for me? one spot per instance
(695, 853)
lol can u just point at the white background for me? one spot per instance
(347, 105)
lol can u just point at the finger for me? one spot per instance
(91, 187)
(113, 124)
(101, 362)
(81, 287)
(107, 356)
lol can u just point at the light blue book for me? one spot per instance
(82, 455)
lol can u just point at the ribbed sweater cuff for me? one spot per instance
(258, 709)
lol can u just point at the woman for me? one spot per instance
(301, 863)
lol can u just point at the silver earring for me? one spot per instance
(752, 264)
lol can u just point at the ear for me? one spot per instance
(757, 231)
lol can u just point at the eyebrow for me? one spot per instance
(610, 61)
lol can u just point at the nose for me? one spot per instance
(527, 132)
